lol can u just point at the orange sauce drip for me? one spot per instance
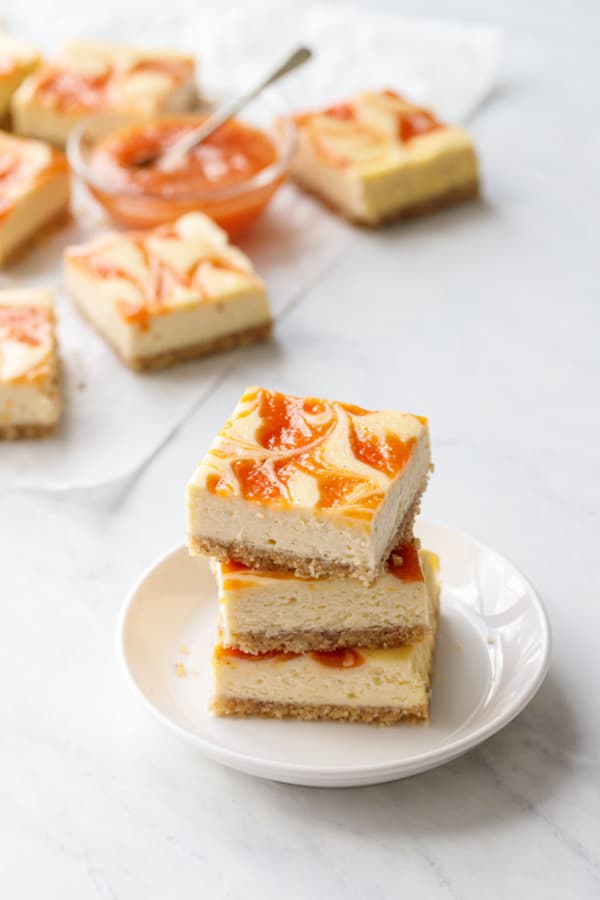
(390, 457)
(135, 314)
(257, 482)
(284, 427)
(414, 121)
(417, 123)
(26, 324)
(336, 659)
(342, 658)
(343, 111)
(411, 122)
(156, 301)
(234, 653)
(14, 172)
(410, 567)
(230, 156)
(233, 584)
(231, 565)
(68, 90)
(334, 490)
(132, 312)
(216, 485)
(178, 70)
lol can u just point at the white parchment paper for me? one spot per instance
(450, 66)
(114, 419)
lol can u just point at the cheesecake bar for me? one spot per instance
(262, 610)
(18, 59)
(34, 190)
(167, 295)
(91, 76)
(311, 486)
(379, 686)
(29, 392)
(378, 157)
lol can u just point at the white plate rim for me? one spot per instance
(411, 765)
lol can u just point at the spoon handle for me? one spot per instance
(228, 110)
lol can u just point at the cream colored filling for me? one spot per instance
(28, 404)
(39, 206)
(9, 84)
(395, 680)
(308, 531)
(34, 120)
(25, 402)
(23, 57)
(254, 602)
(143, 93)
(176, 328)
(340, 187)
(406, 175)
(397, 677)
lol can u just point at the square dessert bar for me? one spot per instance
(34, 190)
(383, 686)
(17, 60)
(262, 610)
(311, 486)
(29, 392)
(167, 295)
(91, 76)
(379, 157)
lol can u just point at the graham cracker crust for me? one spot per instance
(29, 430)
(225, 342)
(305, 641)
(23, 432)
(183, 354)
(45, 231)
(301, 566)
(368, 715)
(451, 197)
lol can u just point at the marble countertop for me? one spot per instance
(487, 318)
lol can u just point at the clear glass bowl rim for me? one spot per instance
(261, 179)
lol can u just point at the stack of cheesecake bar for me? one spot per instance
(328, 606)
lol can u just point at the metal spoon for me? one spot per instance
(183, 146)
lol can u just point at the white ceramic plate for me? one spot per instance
(492, 656)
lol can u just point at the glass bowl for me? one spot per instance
(234, 207)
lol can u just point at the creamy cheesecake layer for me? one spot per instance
(178, 287)
(46, 204)
(29, 396)
(34, 190)
(312, 486)
(91, 76)
(377, 156)
(383, 686)
(17, 60)
(262, 611)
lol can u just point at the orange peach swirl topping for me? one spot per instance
(284, 450)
